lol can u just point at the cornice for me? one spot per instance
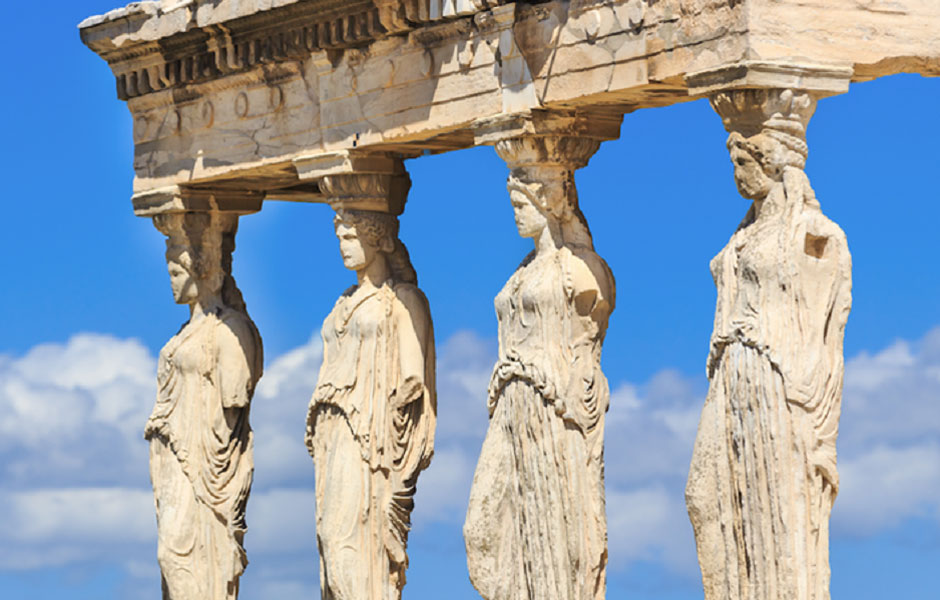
(200, 54)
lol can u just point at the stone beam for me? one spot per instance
(874, 37)
(176, 199)
(818, 79)
(227, 90)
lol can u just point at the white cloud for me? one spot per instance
(892, 396)
(889, 437)
(650, 431)
(444, 489)
(73, 464)
(73, 414)
(279, 416)
(282, 521)
(650, 524)
(464, 364)
(885, 485)
(49, 527)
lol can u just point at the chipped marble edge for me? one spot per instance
(206, 13)
(147, 7)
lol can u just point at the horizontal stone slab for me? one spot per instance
(237, 90)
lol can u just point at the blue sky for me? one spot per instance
(85, 307)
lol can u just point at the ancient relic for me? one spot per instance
(763, 477)
(235, 103)
(371, 421)
(536, 526)
(200, 440)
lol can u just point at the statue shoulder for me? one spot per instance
(590, 272)
(411, 296)
(817, 222)
(236, 331)
(235, 320)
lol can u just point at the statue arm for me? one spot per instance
(593, 287)
(821, 310)
(235, 357)
(414, 330)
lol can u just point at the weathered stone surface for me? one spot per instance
(371, 421)
(536, 526)
(238, 101)
(200, 440)
(763, 477)
(875, 37)
(247, 86)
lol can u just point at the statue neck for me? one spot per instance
(375, 273)
(549, 239)
(204, 305)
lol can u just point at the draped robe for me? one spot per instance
(370, 438)
(536, 525)
(763, 476)
(201, 454)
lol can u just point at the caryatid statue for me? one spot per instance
(763, 476)
(200, 440)
(536, 526)
(371, 421)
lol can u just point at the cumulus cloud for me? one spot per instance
(889, 440)
(464, 364)
(51, 527)
(279, 416)
(650, 432)
(72, 414)
(73, 464)
(74, 484)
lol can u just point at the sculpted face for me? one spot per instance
(357, 255)
(182, 282)
(529, 220)
(752, 180)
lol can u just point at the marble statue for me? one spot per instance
(200, 440)
(536, 525)
(763, 476)
(371, 421)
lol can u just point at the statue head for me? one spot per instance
(366, 236)
(198, 253)
(545, 197)
(539, 199)
(541, 184)
(767, 135)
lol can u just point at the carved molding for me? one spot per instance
(286, 33)
(747, 111)
(176, 199)
(204, 54)
(565, 139)
(376, 192)
(545, 150)
(375, 181)
(595, 124)
(821, 80)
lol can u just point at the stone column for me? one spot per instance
(763, 476)
(200, 440)
(371, 421)
(536, 526)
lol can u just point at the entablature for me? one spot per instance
(230, 90)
